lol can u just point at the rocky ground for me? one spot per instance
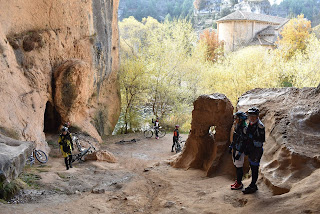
(142, 181)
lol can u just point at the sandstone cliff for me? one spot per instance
(292, 120)
(58, 63)
(291, 151)
(203, 151)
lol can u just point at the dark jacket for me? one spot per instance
(255, 139)
(176, 134)
(239, 137)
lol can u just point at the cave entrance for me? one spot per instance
(52, 119)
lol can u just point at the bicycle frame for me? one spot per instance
(82, 151)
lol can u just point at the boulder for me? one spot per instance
(203, 149)
(292, 120)
(101, 156)
(13, 156)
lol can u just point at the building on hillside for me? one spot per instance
(241, 29)
(254, 6)
(211, 7)
(216, 6)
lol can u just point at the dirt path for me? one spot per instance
(140, 182)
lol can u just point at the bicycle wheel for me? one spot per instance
(161, 133)
(177, 148)
(148, 133)
(41, 156)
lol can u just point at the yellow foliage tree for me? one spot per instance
(214, 47)
(294, 36)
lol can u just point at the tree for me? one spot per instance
(214, 47)
(133, 85)
(294, 36)
(163, 57)
(310, 8)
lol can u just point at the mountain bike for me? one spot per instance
(179, 145)
(150, 132)
(40, 156)
(82, 151)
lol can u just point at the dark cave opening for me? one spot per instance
(52, 119)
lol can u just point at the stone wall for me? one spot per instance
(237, 34)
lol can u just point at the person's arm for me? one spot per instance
(261, 132)
(70, 140)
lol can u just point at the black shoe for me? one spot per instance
(250, 189)
(70, 166)
(67, 168)
(172, 151)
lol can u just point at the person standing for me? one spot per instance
(175, 137)
(66, 146)
(237, 147)
(254, 149)
(156, 127)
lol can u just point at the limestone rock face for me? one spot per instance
(292, 120)
(45, 44)
(202, 149)
(13, 155)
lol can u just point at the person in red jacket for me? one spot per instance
(175, 137)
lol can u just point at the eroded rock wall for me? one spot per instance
(292, 120)
(202, 149)
(13, 156)
(43, 43)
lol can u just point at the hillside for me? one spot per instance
(156, 9)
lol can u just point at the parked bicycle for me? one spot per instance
(82, 151)
(40, 156)
(179, 146)
(150, 132)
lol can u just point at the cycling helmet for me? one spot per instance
(177, 126)
(241, 115)
(253, 111)
(64, 129)
(67, 124)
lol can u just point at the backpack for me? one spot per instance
(65, 146)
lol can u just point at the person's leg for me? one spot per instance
(157, 132)
(239, 174)
(70, 161)
(255, 173)
(173, 145)
(252, 188)
(66, 162)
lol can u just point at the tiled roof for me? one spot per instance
(267, 31)
(264, 40)
(239, 15)
(266, 36)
